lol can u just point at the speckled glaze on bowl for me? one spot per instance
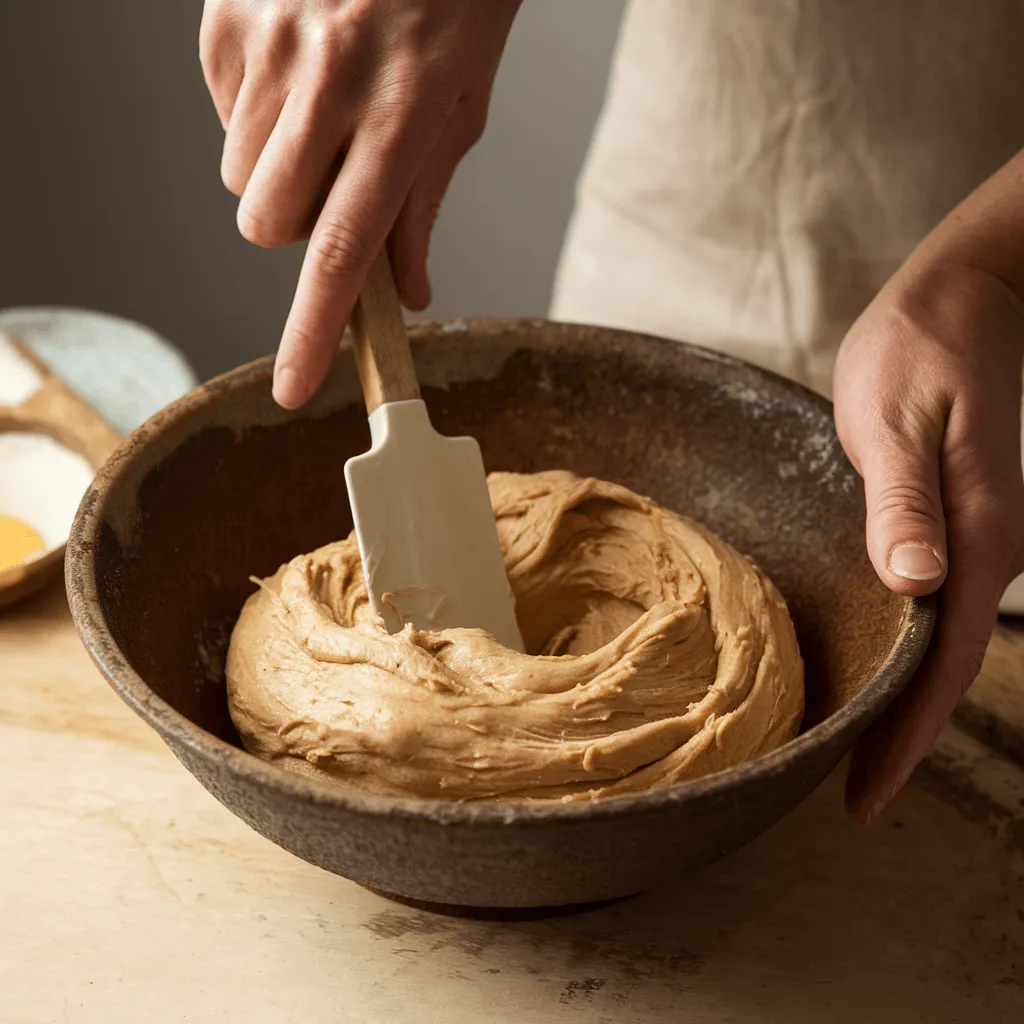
(222, 485)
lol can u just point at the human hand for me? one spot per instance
(345, 122)
(928, 404)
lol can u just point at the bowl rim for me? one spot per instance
(178, 731)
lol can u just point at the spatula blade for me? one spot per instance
(426, 531)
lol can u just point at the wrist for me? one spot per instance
(964, 305)
(976, 253)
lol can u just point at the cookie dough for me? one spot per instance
(657, 653)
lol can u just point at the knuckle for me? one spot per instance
(338, 251)
(213, 23)
(233, 178)
(208, 52)
(436, 104)
(277, 29)
(408, 95)
(257, 228)
(332, 46)
(393, 106)
(906, 500)
(474, 122)
(432, 210)
(907, 418)
(424, 210)
(477, 127)
(216, 42)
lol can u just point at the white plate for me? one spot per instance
(124, 370)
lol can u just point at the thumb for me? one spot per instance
(906, 529)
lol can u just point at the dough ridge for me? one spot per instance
(657, 654)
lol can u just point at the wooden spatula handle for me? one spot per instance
(382, 351)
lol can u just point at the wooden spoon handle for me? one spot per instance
(383, 356)
(61, 412)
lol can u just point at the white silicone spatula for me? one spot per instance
(422, 512)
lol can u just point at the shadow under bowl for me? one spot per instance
(223, 484)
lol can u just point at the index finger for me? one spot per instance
(359, 212)
(885, 757)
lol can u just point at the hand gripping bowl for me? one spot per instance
(222, 484)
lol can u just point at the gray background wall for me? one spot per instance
(110, 196)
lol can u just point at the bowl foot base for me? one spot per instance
(499, 913)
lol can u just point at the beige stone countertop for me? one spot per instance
(127, 893)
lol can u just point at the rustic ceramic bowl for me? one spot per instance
(222, 485)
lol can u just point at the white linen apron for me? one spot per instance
(762, 167)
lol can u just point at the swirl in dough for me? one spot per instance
(658, 654)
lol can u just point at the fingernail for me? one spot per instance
(915, 562)
(901, 781)
(880, 805)
(876, 809)
(289, 388)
